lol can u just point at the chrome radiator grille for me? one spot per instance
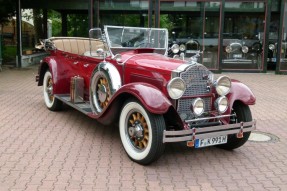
(184, 106)
(196, 79)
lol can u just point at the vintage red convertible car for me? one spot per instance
(124, 75)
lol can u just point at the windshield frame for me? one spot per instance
(115, 48)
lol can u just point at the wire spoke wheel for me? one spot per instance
(51, 102)
(49, 89)
(138, 130)
(141, 132)
(104, 93)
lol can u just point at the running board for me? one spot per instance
(83, 107)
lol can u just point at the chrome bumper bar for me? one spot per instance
(208, 132)
(208, 118)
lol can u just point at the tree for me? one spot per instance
(7, 10)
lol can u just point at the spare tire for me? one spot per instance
(105, 82)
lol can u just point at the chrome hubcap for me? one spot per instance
(136, 131)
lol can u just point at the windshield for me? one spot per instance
(122, 39)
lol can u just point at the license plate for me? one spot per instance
(237, 56)
(210, 141)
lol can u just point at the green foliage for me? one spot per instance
(134, 20)
(9, 53)
(165, 22)
(78, 25)
(55, 17)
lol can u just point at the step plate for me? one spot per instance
(83, 107)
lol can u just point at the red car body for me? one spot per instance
(143, 75)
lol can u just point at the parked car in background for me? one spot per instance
(273, 50)
(240, 49)
(183, 48)
(124, 75)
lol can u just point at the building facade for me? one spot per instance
(233, 35)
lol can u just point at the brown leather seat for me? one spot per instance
(76, 45)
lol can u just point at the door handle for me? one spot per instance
(76, 62)
(86, 65)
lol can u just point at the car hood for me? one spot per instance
(152, 62)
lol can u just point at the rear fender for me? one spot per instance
(48, 63)
(59, 74)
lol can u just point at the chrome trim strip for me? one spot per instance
(208, 132)
(208, 118)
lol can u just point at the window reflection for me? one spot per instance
(283, 51)
(124, 13)
(194, 26)
(242, 35)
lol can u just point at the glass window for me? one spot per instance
(283, 53)
(124, 13)
(194, 26)
(244, 25)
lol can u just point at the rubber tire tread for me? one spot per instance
(157, 126)
(243, 114)
(159, 147)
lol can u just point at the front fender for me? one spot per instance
(151, 98)
(240, 92)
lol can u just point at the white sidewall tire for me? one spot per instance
(129, 148)
(47, 100)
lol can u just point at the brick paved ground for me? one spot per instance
(43, 150)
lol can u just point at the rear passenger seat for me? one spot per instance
(76, 45)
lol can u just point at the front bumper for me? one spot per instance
(237, 61)
(208, 132)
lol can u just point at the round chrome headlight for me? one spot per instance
(198, 106)
(221, 104)
(244, 49)
(182, 47)
(175, 48)
(223, 85)
(228, 49)
(176, 88)
(271, 46)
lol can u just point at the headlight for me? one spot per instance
(176, 88)
(182, 47)
(175, 48)
(244, 49)
(228, 49)
(271, 46)
(223, 85)
(221, 104)
(198, 106)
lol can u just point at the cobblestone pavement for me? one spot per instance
(44, 150)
